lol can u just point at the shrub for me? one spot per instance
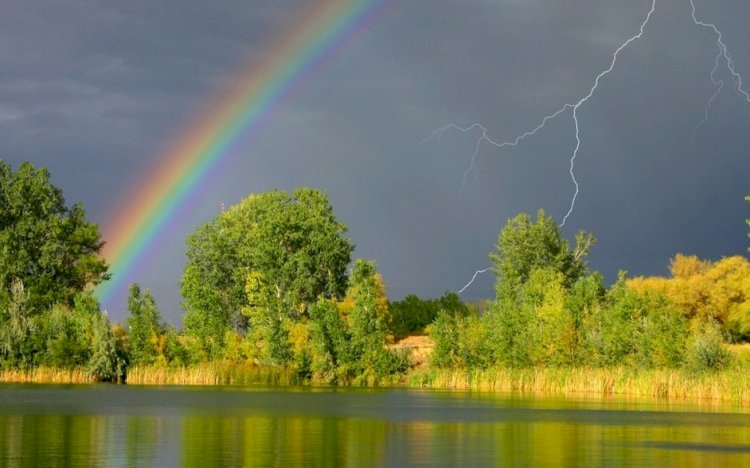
(443, 332)
(707, 351)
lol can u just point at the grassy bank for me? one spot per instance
(50, 375)
(732, 385)
(727, 385)
(212, 373)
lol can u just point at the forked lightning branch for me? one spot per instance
(723, 58)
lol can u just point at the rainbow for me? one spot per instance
(304, 50)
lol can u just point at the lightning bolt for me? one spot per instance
(719, 86)
(483, 137)
(477, 273)
(722, 54)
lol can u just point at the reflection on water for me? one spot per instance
(139, 426)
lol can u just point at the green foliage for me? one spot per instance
(643, 329)
(523, 247)
(268, 322)
(584, 300)
(103, 360)
(368, 328)
(349, 339)
(536, 328)
(17, 329)
(78, 337)
(706, 291)
(611, 334)
(443, 333)
(175, 351)
(550, 311)
(462, 341)
(473, 342)
(69, 332)
(707, 350)
(51, 248)
(663, 334)
(144, 325)
(274, 251)
(207, 319)
(331, 341)
(412, 315)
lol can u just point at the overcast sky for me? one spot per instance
(96, 90)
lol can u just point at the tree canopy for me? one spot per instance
(706, 291)
(524, 246)
(273, 251)
(52, 249)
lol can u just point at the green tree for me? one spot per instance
(16, 329)
(51, 248)
(637, 328)
(535, 328)
(268, 321)
(331, 341)
(103, 361)
(67, 333)
(443, 332)
(524, 246)
(412, 314)
(272, 255)
(368, 324)
(534, 320)
(144, 326)
(349, 338)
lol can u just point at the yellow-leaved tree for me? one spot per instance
(707, 291)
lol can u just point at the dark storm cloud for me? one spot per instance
(95, 90)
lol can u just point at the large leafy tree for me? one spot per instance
(51, 248)
(525, 246)
(535, 268)
(268, 257)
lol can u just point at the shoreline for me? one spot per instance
(730, 385)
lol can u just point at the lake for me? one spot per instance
(42, 425)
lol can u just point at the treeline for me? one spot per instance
(266, 284)
(270, 284)
(706, 292)
(338, 340)
(551, 310)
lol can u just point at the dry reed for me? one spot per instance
(46, 375)
(727, 385)
(211, 373)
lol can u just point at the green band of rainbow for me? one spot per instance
(309, 45)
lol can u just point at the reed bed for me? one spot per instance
(727, 385)
(52, 375)
(212, 373)
(731, 385)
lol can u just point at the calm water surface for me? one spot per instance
(110, 425)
